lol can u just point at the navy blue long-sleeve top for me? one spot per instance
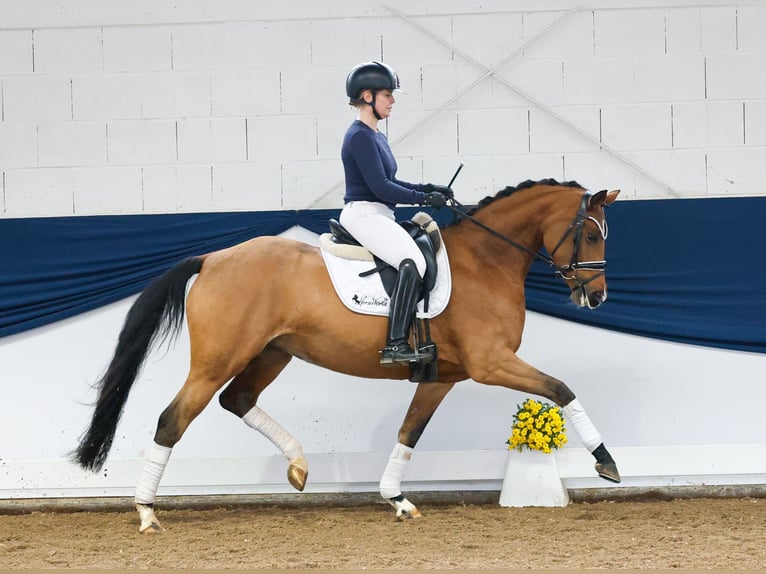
(371, 169)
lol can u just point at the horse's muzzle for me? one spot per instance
(583, 297)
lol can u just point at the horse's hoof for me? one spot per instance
(297, 473)
(405, 510)
(408, 515)
(153, 528)
(608, 471)
(149, 522)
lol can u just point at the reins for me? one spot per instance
(568, 272)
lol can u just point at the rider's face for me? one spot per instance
(384, 101)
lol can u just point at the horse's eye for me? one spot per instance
(591, 237)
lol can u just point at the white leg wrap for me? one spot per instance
(155, 460)
(391, 480)
(578, 418)
(259, 420)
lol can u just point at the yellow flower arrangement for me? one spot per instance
(538, 426)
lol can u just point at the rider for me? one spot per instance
(372, 191)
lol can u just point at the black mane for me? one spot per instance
(523, 185)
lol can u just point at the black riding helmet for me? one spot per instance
(372, 76)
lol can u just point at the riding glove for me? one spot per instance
(443, 189)
(435, 199)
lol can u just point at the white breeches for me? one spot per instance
(374, 226)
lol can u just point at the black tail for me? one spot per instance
(157, 313)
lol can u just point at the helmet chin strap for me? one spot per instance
(372, 105)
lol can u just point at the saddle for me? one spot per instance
(425, 232)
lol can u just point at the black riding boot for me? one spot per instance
(403, 301)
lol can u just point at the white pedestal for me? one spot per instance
(532, 479)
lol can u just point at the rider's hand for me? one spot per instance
(443, 189)
(435, 199)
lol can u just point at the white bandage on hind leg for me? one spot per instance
(259, 420)
(391, 481)
(576, 415)
(155, 460)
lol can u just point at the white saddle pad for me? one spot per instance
(366, 294)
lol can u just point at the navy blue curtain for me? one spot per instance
(688, 270)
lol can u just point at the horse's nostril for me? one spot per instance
(597, 297)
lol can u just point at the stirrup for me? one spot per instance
(400, 352)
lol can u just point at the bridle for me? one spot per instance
(569, 271)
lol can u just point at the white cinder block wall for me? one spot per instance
(240, 106)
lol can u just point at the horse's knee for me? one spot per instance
(558, 392)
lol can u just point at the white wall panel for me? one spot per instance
(35, 192)
(344, 42)
(330, 131)
(669, 78)
(141, 142)
(211, 46)
(435, 138)
(636, 127)
(72, 143)
(487, 94)
(107, 96)
(572, 38)
(97, 190)
(68, 51)
(317, 90)
(513, 170)
(598, 81)
(37, 98)
(683, 31)
(279, 44)
(282, 138)
(15, 52)
(245, 93)
(247, 187)
(186, 188)
(601, 170)
(137, 49)
(736, 171)
(212, 140)
(683, 170)
(484, 132)
(181, 95)
(549, 134)
(542, 80)
(719, 28)
(303, 182)
(402, 42)
(751, 28)
(736, 75)
(18, 145)
(754, 114)
(711, 124)
(502, 34)
(629, 32)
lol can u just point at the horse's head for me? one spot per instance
(576, 245)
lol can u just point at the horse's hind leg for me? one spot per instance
(173, 422)
(428, 396)
(240, 396)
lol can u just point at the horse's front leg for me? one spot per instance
(508, 370)
(428, 396)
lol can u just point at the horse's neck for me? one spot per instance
(513, 218)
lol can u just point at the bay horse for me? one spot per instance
(249, 313)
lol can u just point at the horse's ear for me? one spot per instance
(602, 198)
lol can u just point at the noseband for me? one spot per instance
(567, 272)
